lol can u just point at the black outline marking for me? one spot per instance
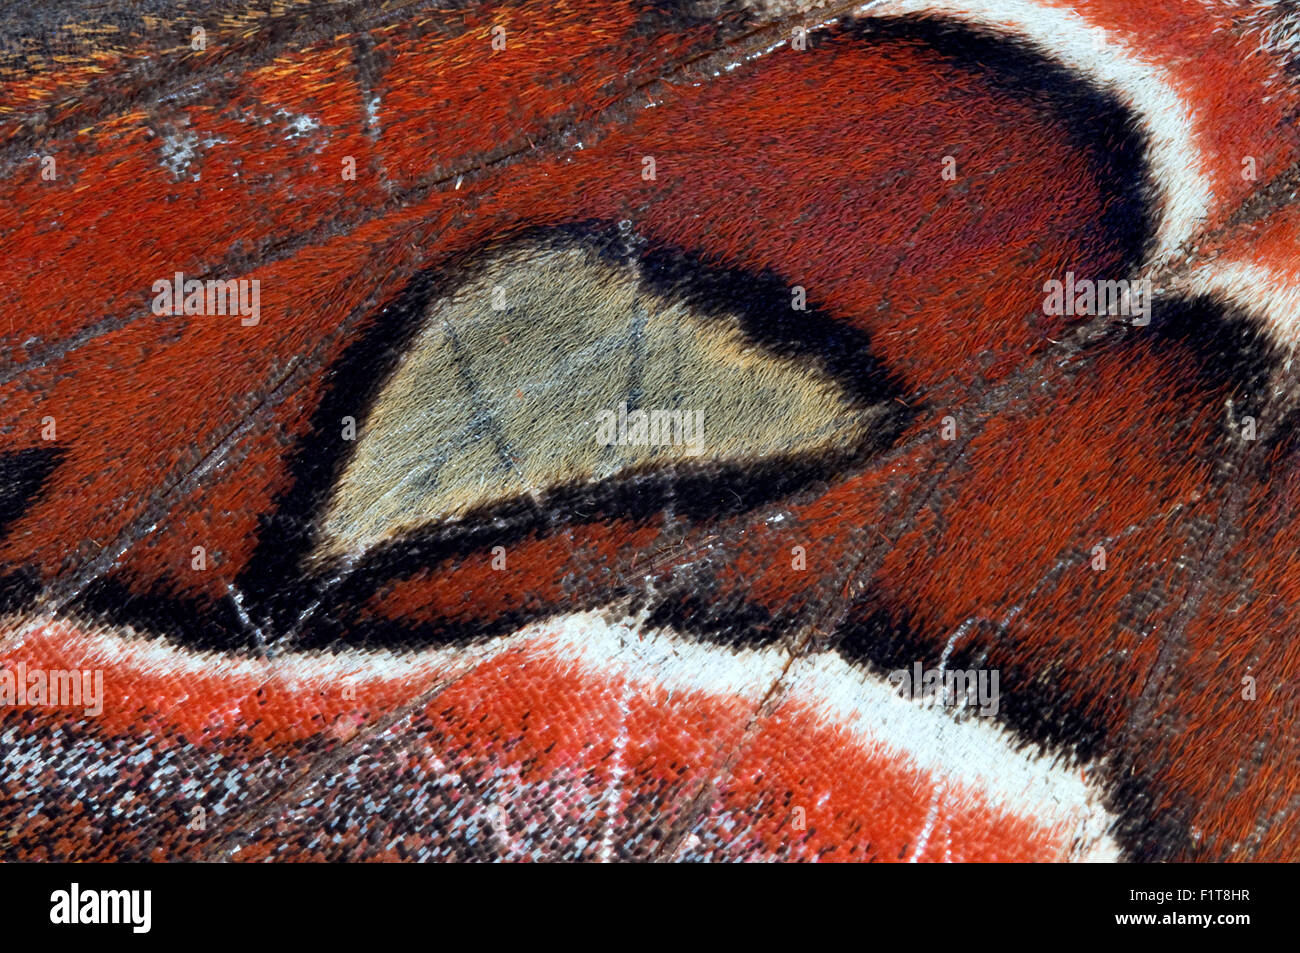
(23, 476)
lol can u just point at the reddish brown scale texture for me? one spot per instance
(749, 558)
(761, 135)
(550, 571)
(1271, 241)
(761, 571)
(257, 468)
(94, 176)
(1034, 490)
(1229, 761)
(161, 717)
(1229, 87)
(1108, 447)
(976, 554)
(489, 103)
(248, 165)
(222, 514)
(1069, 670)
(256, 148)
(260, 186)
(667, 734)
(83, 67)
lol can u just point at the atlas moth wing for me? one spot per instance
(661, 621)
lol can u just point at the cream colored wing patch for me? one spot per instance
(554, 365)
